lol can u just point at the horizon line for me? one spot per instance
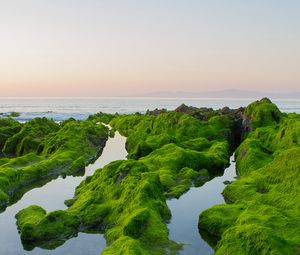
(142, 97)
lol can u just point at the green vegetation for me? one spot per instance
(146, 133)
(126, 200)
(262, 113)
(263, 209)
(42, 150)
(168, 152)
(32, 223)
(122, 199)
(8, 128)
(29, 138)
(182, 149)
(102, 117)
(179, 168)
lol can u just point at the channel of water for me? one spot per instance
(183, 226)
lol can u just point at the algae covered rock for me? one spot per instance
(170, 151)
(262, 113)
(126, 200)
(30, 136)
(263, 211)
(49, 230)
(8, 128)
(44, 150)
(219, 218)
(132, 209)
(180, 168)
(147, 133)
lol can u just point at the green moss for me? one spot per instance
(8, 128)
(263, 113)
(131, 204)
(281, 136)
(197, 144)
(251, 155)
(46, 150)
(35, 224)
(102, 117)
(29, 137)
(219, 218)
(31, 216)
(264, 204)
(127, 246)
(179, 168)
(3, 199)
(126, 199)
(147, 133)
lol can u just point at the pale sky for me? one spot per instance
(130, 47)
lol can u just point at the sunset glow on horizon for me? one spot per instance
(127, 48)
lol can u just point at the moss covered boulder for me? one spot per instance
(34, 221)
(43, 150)
(263, 211)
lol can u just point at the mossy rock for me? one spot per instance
(44, 150)
(36, 226)
(263, 113)
(30, 136)
(126, 200)
(8, 128)
(147, 133)
(263, 204)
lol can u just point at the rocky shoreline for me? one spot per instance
(169, 152)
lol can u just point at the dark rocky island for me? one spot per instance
(168, 152)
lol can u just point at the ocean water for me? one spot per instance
(80, 108)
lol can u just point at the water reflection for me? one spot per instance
(185, 213)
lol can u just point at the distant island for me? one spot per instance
(228, 93)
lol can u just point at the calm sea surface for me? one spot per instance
(80, 108)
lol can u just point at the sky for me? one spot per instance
(135, 47)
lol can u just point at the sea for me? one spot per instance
(80, 108)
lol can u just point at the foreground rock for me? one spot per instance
(262, 213)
